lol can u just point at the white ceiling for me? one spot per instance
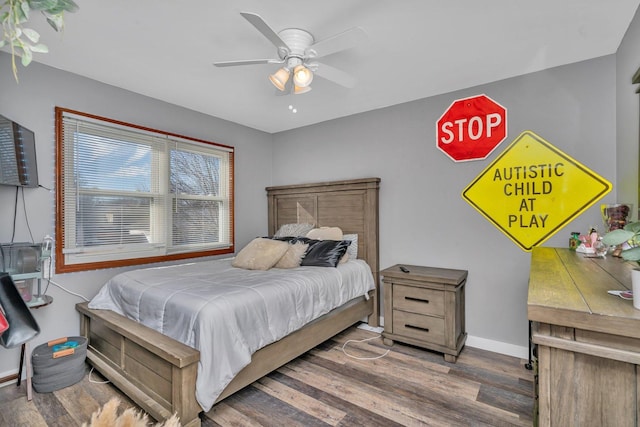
(415, 49)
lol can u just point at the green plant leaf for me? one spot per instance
(64, 6)
(42, 4)
(27, 56)
(633, 227)
(40, 48)
(31, 34)
(24, 8)
(632, 254)
(70, 6)
(56, 21)
(14, 13)
(54, 7)
(617, 237)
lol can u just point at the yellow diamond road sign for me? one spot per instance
(533, 189)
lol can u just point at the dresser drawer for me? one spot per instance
(419, 327)
(418, 300)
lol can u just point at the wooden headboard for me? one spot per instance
(351, 205)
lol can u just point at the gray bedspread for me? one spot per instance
(229, 313)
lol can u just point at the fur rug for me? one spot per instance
(108, 416)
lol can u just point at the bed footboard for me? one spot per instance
(159, 373)
(155, 371)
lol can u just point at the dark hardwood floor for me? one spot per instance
(407, 387)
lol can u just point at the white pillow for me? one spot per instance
(293, 257)
(260, 254)
(352, 250)
(325, 233)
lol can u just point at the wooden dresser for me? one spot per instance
(425, 307)
(588, 342)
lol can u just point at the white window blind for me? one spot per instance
(131, 193)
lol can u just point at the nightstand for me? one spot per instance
(425, 307)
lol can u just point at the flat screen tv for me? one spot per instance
(17, 155)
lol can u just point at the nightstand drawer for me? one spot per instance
(418, 300)
(419, 327)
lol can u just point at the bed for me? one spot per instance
(159, 373)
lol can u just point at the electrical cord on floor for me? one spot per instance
(92, 381)
(361, 341)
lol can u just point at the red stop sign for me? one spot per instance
(471, 128)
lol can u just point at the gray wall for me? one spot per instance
(627, 63)
(423, 218)
(31, 103)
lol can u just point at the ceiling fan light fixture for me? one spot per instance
(280, 78)
(302, 76)
(297, 52)
(299, 90)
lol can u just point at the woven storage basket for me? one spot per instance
(51, 374)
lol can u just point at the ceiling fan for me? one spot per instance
(298, 51)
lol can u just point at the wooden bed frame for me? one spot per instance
(159, 373)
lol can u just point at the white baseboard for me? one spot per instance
(484, 344)
(377, 330)
(498, 347)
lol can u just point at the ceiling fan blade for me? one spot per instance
(257, 21)
(337, 76)
(248, 62)
(341, 41)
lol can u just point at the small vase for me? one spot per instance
(635, 286)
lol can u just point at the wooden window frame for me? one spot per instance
(61, 266)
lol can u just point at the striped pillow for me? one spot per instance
(294, 229)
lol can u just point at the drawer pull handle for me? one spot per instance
(416, 327)
(426, 301)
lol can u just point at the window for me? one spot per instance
(131, 195)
